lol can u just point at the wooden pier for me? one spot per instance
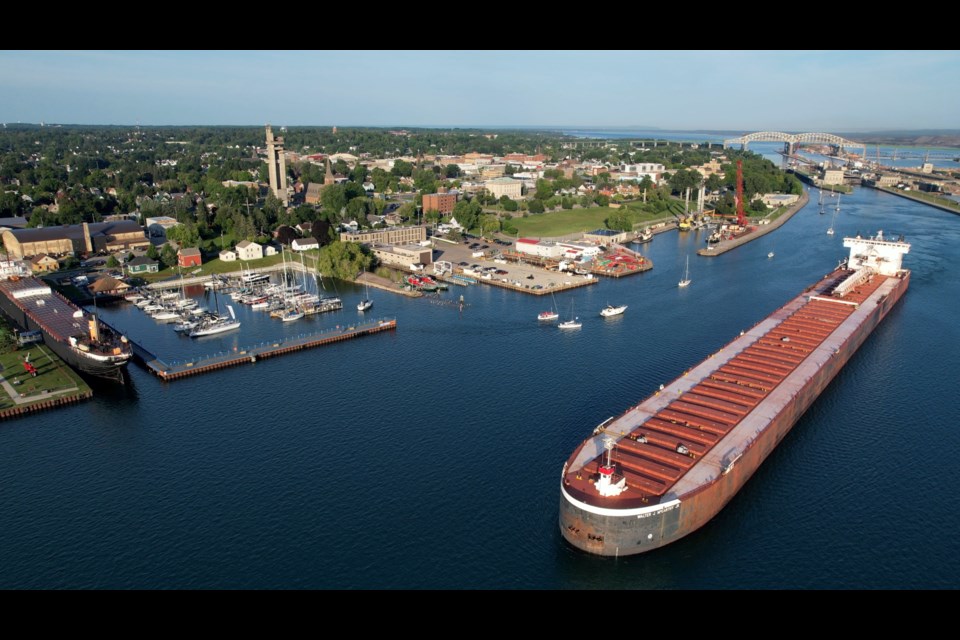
(206, 364)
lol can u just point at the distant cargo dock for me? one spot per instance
(214, 362)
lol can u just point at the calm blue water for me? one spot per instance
(430, 457)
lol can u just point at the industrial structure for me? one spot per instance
(276, 166)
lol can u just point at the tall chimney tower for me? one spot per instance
(276, 166)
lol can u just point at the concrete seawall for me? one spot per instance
(727, 245)
(909, 196)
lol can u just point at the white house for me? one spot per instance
(228, 256)
(269, 250)
(247, 250)
(302, 244)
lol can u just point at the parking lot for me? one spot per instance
(499, 271)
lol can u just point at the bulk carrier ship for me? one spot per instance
(665, 467)
(78, 337)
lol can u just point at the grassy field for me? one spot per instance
(218, 266)
(566, 221)
(52, 375)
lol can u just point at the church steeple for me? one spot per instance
(328, 179)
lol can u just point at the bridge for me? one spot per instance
(791, 140)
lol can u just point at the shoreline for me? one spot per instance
(728, 245)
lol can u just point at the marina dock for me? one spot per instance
(213, 362)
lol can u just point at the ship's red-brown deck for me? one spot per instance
(648, 456)
(55, 313)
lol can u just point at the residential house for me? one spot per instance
(44, 264)
(143, 264)
(189, 257)
(247, 250)
(228, 256)
(303, 244)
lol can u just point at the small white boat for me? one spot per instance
(166, 316)
(185, 325)
(548, 316)
(686, 276)
(292, 314)
(770, 255)
(364, 304)
(571, 324)
(611, 310)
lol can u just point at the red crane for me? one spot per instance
(741, 216)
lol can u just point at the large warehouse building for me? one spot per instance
(86, 238)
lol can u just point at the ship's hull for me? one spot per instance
(618, 532)
(110, 370)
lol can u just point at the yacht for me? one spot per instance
(611, 310)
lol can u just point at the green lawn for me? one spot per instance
(51, 375)
(560, 223)
(566, 221)
(218, 266)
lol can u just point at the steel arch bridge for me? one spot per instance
(791, 140)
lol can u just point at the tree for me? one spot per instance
(425, 181)
(343, 260)
(545, 189)
(402, 168)
(489, 223)
(168, 256)
(152, 252)
(407, 211)
(432, 216)
(683, 180)
(536, 206)
(452, 171)
(359, 174)
(467, 213)
(334, 199)
(112, 262)
(620, 220)
(383, 181)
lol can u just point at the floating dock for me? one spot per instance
(206, 364)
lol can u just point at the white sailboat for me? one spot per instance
(834, 219)
(366, 303)
(571, 324)
(686, 275)
(219, 324)
(551, 315)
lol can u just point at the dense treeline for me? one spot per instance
(70, 174)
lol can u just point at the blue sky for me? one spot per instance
(823, 90)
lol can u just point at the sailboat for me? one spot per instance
(610, 310)
(291, 309)
(218, 324)
(834, 219)
(571, 324)
(366, 303)
(551, 315)
(821, 202)
(686, 275)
